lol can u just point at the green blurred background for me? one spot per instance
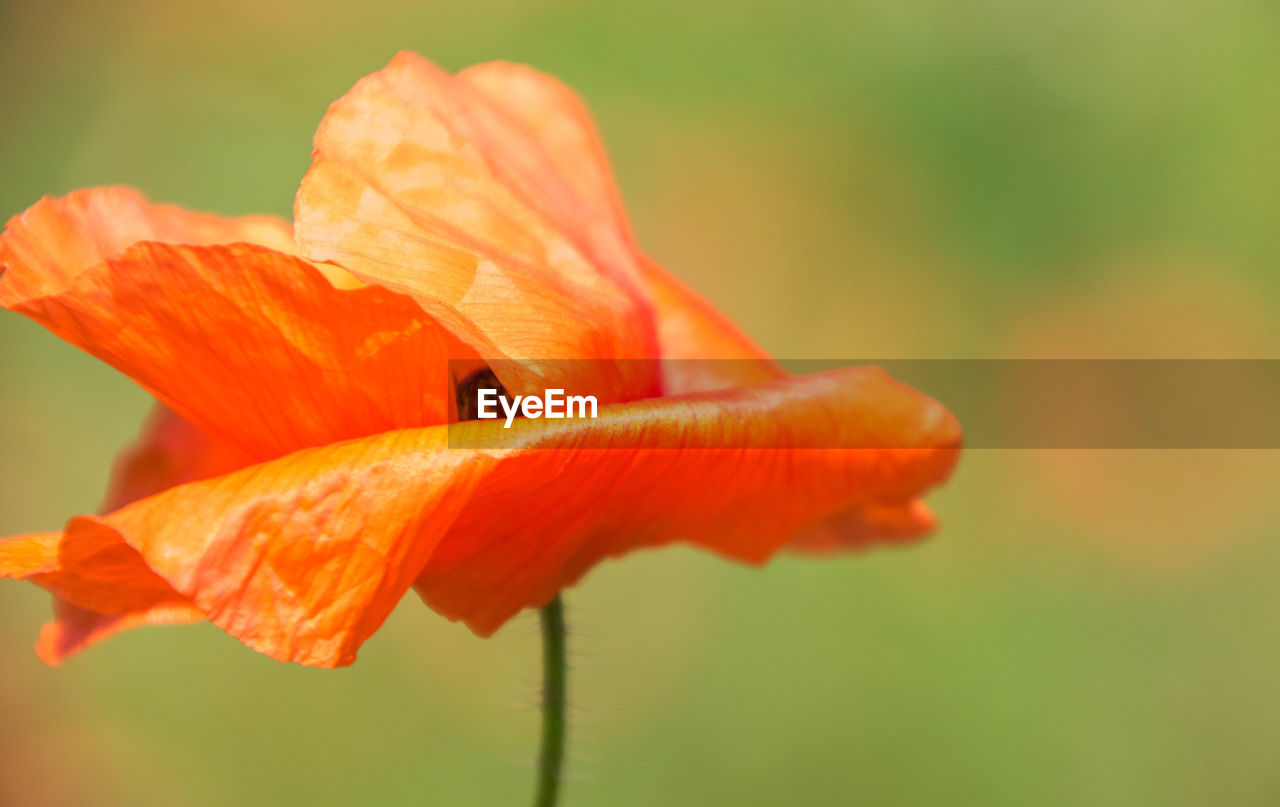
(915, 178)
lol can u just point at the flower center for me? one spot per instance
(468, 392)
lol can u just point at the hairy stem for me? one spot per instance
(551, 757)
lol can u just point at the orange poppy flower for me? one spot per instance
(297, 479)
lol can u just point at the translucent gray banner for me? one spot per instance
(1000, 403)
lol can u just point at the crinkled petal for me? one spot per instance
(25, 555)
(303, 557)
(876, 522)
(575, 186)
(555, 160)
(741, 472)
(74, 628)
(87, 565)
(53, 241)
(100, 586)
(169, 452)
(702, 349)
(254, 347)
(422, 183)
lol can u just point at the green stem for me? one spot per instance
(551, 757)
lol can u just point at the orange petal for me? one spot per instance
(740, 472)
(23, 556)
(702, 349)
(252, 346)
(100, 586)
(552, 156)
(87, 565)
(74, 628)
(169, 452)
(575, 187)
(52, 242)
(422, 183)
(860, 527)
(302, 558)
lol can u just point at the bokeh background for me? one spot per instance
(915, 178)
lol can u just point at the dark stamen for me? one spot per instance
(468, 392)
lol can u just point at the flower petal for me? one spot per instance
(169, 452)
(702, 350)
(100, 585)
(303, 558)
(85, 564)
(740, 472)
(421, 183)
(23, 556)
(872, 523)
(577, 189)
(254, 347)
(47, 246)
(555, 159)
(74, 628)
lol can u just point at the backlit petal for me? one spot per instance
(557, 162)
(49, 244)
(575, 187)
(875, 522)
(302, 558)
(254, 347)
(100, 586)
(422, 183)
(741, 472)
(169, 452)
(25, 555)
(701, 348)
(86, 564)
(74, 628)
